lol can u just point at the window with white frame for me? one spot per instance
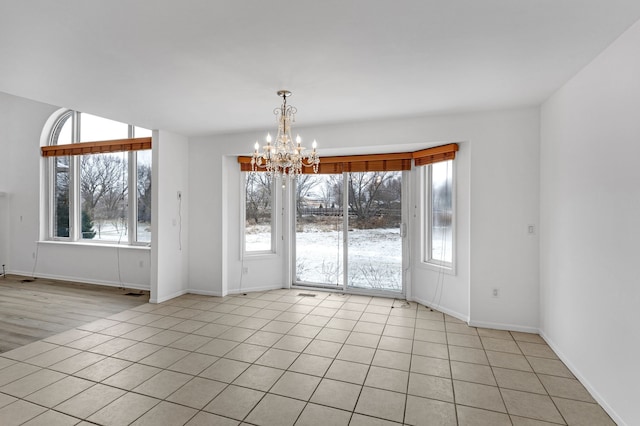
(439, 217)
(99, 180)
(258, 213)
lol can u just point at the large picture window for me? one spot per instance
(439, 214)
(99, 175)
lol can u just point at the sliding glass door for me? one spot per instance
(348, 231)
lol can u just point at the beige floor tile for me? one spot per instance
(235, 402)
(362, 420)
(458, 328)
(102, 369)
(478, 396)
(19, 412)
(230, 319)
(259, 377)
(6, 400)
(523, 421)
(469, 416)
(89, 341)
(317, 320)
(31, 383)
(518, 380)
(341, 324)
(76, 362)
(398, 331)
(296, 385)
(373, 308)
(374, 318)
(189, 326)
(531, 405)
(472, 355)
(264, 338)
(381, 403)
(193, 363)
(163, 384)
(137, 351)
(166, 413)
(347, 371)
(89, 401)
(336, 394)
(326, 312)
(165, 337)
(430, 336)
(98, 325)
(401, 321)
(113, 346)
(389, 359)
(29, 351)
(551, 367)
(348, 315)
(164, 357)
(537, 350)
(275, 410)
(431, 387)
(311, 364)
(527, 337)
(60, 391)
(506, 360)
(217, 347)
(455, 339)
(582, 413)
(292, 343)
(396, 344)
(356, 354)
(190, 342)
(368, 327)
(237, 334)
(431, 366)
(323, 348)
(434, 350)
(281, 327)
(197, 393)
(277, 358)
(254, 323)
(293, 317)
(166, 322)
(387, 378)
(430, 325)
(496, 334)
(52, 418)
(204, 419)
(267, 314)
(53, 356)
(123, 410)
(566, 388)
(141, 333)
(212, 330)
(319, 415)
(132, 376)
(119, 329)
(422, 411)
(333, 335)
(363, 339)
(6, 362)
(500, 345)
(472, 373)
(246, 352)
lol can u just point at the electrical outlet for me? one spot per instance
(179, 195)
(245, 270)
(141, 263)
(531, 229)
(495, 292)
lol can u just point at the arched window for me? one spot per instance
(98, 180)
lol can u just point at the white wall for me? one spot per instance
(590, 292)
(22, 122)
(498, 187)
(170, 216)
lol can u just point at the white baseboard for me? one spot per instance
(81, 280)
(168, 297)
(443, 309)
(502, 326)
(205, 292)
(594, 393)
(251, 289)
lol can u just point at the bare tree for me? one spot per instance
(304, 184)
(258, 189)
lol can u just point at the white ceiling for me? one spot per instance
(213, 66)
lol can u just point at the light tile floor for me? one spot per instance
(278, 358)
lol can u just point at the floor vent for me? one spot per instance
(28, 280)
(306, 294)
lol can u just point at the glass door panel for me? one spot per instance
(319, 248)
(374, 240)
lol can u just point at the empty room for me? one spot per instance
(319, 213)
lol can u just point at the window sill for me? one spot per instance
(86, 244)
(447, 270)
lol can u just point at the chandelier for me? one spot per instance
(284, 157)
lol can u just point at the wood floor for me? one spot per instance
(31, 311)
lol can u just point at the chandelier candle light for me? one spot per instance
(283, 158)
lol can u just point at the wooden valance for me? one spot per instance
(397, 161)
(101, 147)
